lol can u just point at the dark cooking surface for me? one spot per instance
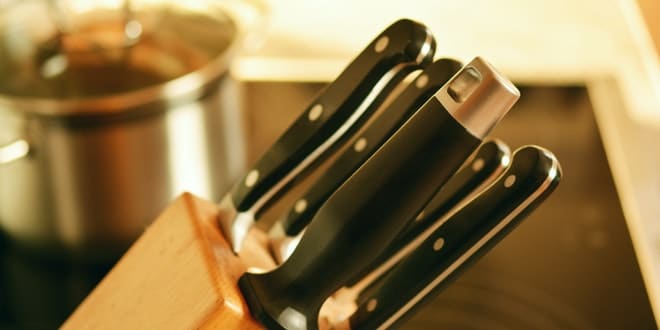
(570, 265)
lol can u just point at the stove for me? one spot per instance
(569, 265)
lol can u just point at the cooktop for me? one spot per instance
(569, 265)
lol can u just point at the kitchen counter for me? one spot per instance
(602, 44)
(562, 259)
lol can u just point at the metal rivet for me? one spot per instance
(421, 81)
(478, 165)
(300, 206)
(509, 181)
(54, 66)
(438, 244)
(256, 270)
(360, 144)
(315, 112)
(381, 44)
(420, 216)
(371, 305)
(133, 29)
(251, 178)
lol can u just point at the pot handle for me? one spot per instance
(14, 151)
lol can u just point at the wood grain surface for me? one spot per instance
(180, 274)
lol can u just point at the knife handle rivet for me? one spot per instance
(421, 81)
(360, 144)
(478, 165)
(371, 305)
(300, 206)
(509, 181)
(381, 44)
(420, 216)
(251, 178)
(315, 112)
(438, 244)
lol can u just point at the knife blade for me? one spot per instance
(410, 99)
(364, 215)
(439, 254)
(402, 47)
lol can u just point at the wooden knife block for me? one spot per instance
(180, 274)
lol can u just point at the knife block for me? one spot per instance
(180, 274)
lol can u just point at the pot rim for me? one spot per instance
(190, 85)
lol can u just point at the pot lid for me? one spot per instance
(69, 58)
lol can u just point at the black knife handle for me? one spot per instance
(481, 169)
(361, 218)
(410, 99)
(403, 43)
(459, 241)
(486, 165)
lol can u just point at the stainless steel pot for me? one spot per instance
(84, 175)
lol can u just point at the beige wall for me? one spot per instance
(651, 12)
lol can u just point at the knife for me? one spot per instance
(339, 109)
(423, 87)
(411, 98)
(458, 240)
(481, 169)
(359, 220)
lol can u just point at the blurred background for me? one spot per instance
(110, 109)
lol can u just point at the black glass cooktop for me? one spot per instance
(569, 265)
